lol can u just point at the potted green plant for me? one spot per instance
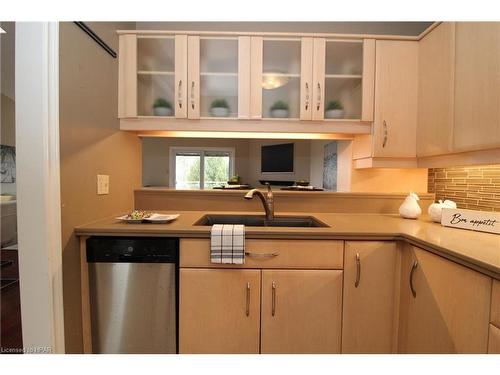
(219, 108)
(162, 107)
(279, 109)
(334, 109)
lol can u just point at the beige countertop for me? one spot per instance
(480, 251)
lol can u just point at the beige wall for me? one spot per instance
(385, 180)
(91, 143)
(8, 130)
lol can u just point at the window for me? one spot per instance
(200, 168)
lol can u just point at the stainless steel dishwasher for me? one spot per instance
(133, 283)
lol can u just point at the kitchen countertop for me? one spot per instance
(480, 251)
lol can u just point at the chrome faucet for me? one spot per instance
(267, 200)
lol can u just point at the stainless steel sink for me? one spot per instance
(261, 221)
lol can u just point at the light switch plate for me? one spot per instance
(102, 184)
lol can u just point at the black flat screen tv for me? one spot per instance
(277, 158)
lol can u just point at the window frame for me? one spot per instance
(203, 151)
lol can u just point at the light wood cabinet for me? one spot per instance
(152, 69)
(495, 304)
(218, 77)
(436, 87)
(219, 311)
(396, 85)
(494, 340)
(477, 86)
(371, 300)
(449, 312)
(393, 139)
(301, 311)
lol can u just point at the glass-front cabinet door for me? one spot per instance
(152, 76)
(343, 79)
(218, 72)
(281, 63)
(281, 71)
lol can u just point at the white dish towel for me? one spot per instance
(227, 244)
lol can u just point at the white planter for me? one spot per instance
(162, 111)
(219, 111)
(334, 113)
(279, 113)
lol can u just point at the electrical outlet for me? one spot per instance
(102, 184)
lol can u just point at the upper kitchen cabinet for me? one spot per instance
(343, 79)
(219, 77)
(152, 76)
(312, 79)
(281, 72)
(436, 91)
(477, 86)
(393, 139)
(184, 76)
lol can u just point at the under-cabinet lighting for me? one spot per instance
(246, 135)
(2, 31)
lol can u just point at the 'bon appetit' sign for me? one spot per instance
(470, 219)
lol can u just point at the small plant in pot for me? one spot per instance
(219, 108)
(334, 109)
(279, 109)
(162, 107)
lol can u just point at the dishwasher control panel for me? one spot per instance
(132, 249)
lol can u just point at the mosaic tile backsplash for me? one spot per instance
(475, 188)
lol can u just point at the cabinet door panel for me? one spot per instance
(307, 311)
(396, 73)
(477, 86)
(370, 308)
(436, 91)
(213, 311)
(494, 340)
(450, 311)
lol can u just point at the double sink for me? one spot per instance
(262, 221)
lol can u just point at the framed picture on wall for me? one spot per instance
(8, 164)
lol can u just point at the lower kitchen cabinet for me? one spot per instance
(494, 340)
(371, 278)
(301, 311)
(219, 311)
(445, 307)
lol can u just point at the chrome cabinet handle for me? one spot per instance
(358, 270)
(413, 268)
(273, 308)
(248, 300)
(385, 134)
(318, 104)
(262, 255)
(307, 96)
(192, 95)
(179, 94)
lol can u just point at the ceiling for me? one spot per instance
(379, 28)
